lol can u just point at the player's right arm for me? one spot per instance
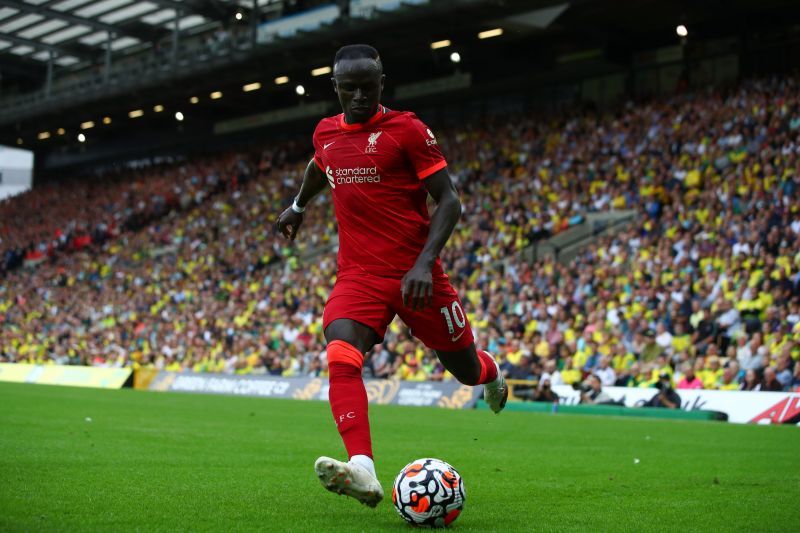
(314, 181)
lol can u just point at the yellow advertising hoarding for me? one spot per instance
(72, 376)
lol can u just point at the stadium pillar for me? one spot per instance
(254, 25)
(107, 69)
(175, 32)
(48, 84)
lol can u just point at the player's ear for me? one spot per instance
(335, 88)
(383, 80)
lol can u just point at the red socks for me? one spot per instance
(348, 397)
(488, 368)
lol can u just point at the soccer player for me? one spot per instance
(381, 165)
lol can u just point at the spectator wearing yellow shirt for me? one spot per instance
(242, 367)
(711, 375)
(622, 360)
(541, 346)
(651, 372)
(730, 377)
(172, 365)
(259, 367)
(570, 374)
(681, 341)
(579, 358)
(411, 370)
(651, 350)
(515, 352)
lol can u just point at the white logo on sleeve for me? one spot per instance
(325, 146)
(372, 143)
(432, 140)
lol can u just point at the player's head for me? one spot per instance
(358, 81)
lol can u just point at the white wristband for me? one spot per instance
(296, 208)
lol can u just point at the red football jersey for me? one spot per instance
(375, 170)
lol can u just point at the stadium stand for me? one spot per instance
(177, 267)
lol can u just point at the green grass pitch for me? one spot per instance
(159, 461)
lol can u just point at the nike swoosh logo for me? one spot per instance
(456, 337)
(325, 146)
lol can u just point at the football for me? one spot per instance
(428, 492)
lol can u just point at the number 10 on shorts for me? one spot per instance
(453, 313)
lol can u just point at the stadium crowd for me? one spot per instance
(177, 266)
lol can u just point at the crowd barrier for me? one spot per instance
(610, 410)
(73, 376)
(740, 406)
(450, 394)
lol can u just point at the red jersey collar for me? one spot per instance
(360, 125)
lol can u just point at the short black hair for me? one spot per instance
(357, 51)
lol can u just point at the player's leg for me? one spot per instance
(444, 327)
(355, 318)
(348, 340)
(472, 366)
(464, 364)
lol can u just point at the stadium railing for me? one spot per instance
(564, 246)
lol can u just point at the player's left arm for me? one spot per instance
(417, 285)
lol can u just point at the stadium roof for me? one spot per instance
(136, 93)
(77, 30)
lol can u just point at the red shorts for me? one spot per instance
(374, 302)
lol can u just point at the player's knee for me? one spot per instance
(351, 332)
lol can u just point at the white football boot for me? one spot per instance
(350, 479)
(496, 393)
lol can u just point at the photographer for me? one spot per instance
(544, 393)
(592, 391)
(666, 397)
